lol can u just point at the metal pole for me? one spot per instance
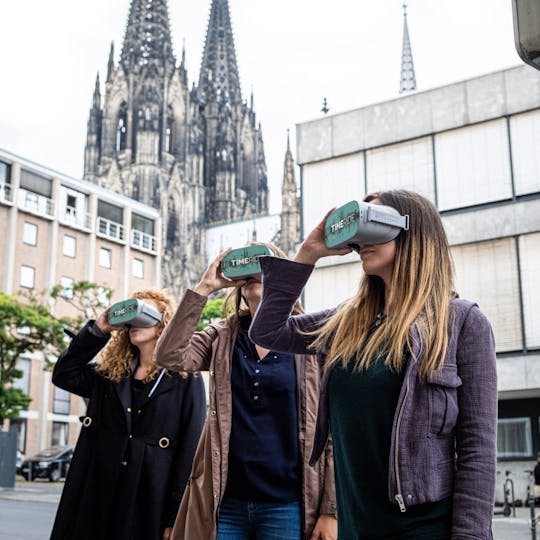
(533, 516)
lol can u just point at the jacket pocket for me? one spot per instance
(443, 405)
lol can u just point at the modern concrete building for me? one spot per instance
(472, 148)
(59, 230)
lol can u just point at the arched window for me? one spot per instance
(121, 129)
(169, 133)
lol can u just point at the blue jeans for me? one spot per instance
(244, 520)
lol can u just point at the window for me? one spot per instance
(406, 165)
(121, 128)
(28, 275)
(69, 246)
(110, 211)
(486, 272)
(30, 233)
(23, 382)
(20, 425)
(321, 181)
(103, 297)
(138, 268)
(514, 437)
(5, 176)
(473, 165)
(59, 434)
(105, 257)
(60, 401)
(36, 183)
(529, 253)
(73, 207)
(525, 135)
(67, 287)
(143, 224)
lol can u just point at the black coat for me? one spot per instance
(130, 467)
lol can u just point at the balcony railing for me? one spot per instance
(6, 193)
(72, 217)
(35, 203)
(110, 229)
(143, 241)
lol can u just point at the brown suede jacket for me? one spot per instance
(182, 348)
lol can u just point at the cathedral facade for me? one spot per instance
(195, 153)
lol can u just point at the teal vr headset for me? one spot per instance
(243, 263)
(357, 224)
(134, 312)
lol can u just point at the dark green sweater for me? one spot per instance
(362, 407)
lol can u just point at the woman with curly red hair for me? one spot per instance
(139, 435)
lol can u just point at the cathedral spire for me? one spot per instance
(290, 208)
(408, 79)
(96, 101)
(219, 70)
(110, 64)
(147, 41)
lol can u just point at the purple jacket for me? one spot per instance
(444, 434)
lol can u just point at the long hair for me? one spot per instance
(235, 305)
(421, 291)
(115, 359)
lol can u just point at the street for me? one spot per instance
(27, 513)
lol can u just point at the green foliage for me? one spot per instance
(27, 325)
(211, 312)
(24, 328)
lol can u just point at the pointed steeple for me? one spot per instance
(96, 100)
(408, 79)
(290, 208)
(219, 70)
(110, 64)
(147, 41)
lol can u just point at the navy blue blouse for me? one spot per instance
(264, 462)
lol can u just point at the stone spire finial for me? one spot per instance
(147, 41)
(408, 78)
(110, 64)
(219, 70)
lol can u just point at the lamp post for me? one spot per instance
(527, 30)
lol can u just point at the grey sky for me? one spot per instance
(292, 52)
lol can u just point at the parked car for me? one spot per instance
(52, 463)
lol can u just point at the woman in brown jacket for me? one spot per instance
(250, 476)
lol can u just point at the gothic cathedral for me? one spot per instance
(195, 153)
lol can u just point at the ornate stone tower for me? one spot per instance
(196, 154)
(289, 236)
(234, 166)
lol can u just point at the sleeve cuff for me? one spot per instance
(285, 275)
(95, 331)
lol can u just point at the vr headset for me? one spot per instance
(134, 312)
(243, 263)
(359, 223)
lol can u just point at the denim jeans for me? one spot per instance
(244, 520)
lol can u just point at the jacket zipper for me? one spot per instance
(399, 496)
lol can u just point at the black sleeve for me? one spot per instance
(192, 417)
(72, 371)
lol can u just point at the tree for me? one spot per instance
(25, 327)
(212, 310)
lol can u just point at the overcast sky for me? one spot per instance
(291, 52)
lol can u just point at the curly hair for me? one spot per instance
(115, 359)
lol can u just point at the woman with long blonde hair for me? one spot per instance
(409, 388)
(139, 434)
(251, 477)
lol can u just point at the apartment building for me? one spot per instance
(57, 229)
(472, 148)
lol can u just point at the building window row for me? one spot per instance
(501, 276)
(488, 162)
